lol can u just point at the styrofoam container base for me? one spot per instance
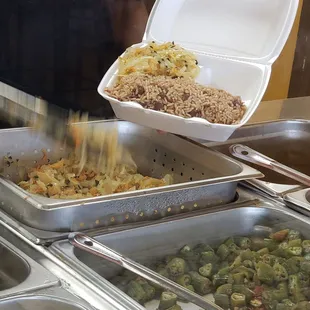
(236, 57)
(247, 80)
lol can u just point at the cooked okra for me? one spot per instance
(206, 270)
(176, 267)
(167, 300)
(270, 272)
(202, 285)
(136, 291)
(184, 280)
(222, 300)
(237, 300)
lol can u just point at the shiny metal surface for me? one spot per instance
(200, 175)
(69, 286)
(39, 302)
(38, 236)
(92, 246)
(299, 201)
(286, 141)
(249, 155)
(19, 273)
(166, 238)
(13, 269)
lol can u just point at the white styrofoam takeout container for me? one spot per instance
(235, 42)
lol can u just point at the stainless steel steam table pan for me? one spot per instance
(38, 236)
(19, 273)
(199, 174)
(148, 243)
(287, 141)
(52, 299)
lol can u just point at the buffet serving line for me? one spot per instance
(140, 213)
(222, 199)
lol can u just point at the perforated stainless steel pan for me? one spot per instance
(202, 177)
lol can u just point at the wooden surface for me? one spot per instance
(291, 108)
(281, 71)
(300, 80)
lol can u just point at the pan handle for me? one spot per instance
(250, 155)
(94, 247)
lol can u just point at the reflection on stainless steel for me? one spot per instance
(19, 273)
(13, 269)
(287, 142)
(90, 245)
(250, 155)
(166, 238)
(199, 174)
(68, 285)
(299, 201)
(38, 236)
(37, 302)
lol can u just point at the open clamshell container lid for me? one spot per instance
(235, 43)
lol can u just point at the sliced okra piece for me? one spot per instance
(280, 273)
(222, 252)
(256, 303)
(202, 285)
(265, 273)
(243, 242)
(167, 300)
(206, 270)
(293, 234)
(242, 289)
(176, 267)
(271, 244)
(184, 280)
(208, 257)
(305, 267)
(295, 243)
(237, 300)
(136, 292)
(306, 246)
(222, 300)
(225, 289)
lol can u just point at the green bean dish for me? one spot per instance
(242, 273)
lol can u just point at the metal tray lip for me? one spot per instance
(246, 172)
(274, 189)
(43, 297)
(280, 120)
(40, 237)
(217, 211)
(298, 198)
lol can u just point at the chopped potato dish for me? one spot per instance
(65, 180)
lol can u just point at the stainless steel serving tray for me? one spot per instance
(145, 244)
(52, 299)
(38, 302)
(19, 273)
(199, 174)
(38, 236)
(287, 141)
(299, 201)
